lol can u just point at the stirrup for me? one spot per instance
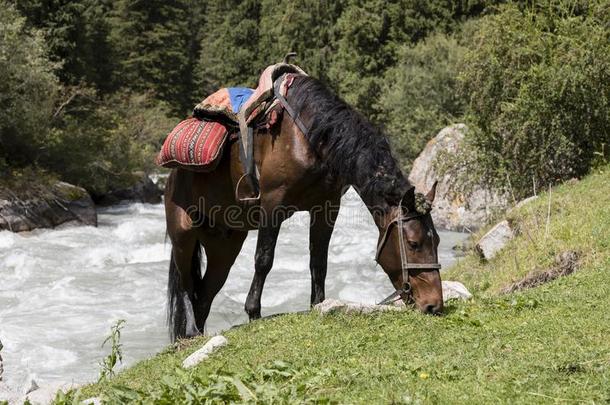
(245, 199)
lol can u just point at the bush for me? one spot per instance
(419, 97)
(537, 81)
(99, 143)
(28, 89)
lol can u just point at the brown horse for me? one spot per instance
(298, 172)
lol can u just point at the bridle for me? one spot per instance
(403, 293)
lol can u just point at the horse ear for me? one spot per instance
(432, 193)
(408, 200)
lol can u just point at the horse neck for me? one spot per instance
(380, 210)
(381, 193)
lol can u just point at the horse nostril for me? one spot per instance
(432, 309)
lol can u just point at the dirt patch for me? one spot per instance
(565, 263)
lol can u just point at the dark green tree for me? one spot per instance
(152, 41)
(419, 95)
(306, 27)
(229, 46)
(28, 90)
(77, 36)
(370, 33)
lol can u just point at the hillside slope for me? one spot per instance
(541, 345)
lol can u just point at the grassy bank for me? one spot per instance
(542, 345)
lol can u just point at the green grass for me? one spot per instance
(549, 344)
(579, 221)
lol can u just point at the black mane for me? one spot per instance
(353, 150)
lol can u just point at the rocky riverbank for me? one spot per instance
(60, 203)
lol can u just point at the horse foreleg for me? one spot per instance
(320, 230)
(265, 250)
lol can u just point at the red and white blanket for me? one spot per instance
(194, 145)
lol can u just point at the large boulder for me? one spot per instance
(59, 204)
(452, 209)
(143, 190)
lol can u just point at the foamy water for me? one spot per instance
(62, 289)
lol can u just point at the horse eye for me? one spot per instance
(413, 245)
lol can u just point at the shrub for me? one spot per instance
(537, 83)
(28, 88)
(419, 97)
(99, 143)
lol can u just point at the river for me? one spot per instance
(62, 289)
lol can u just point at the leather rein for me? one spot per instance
(403, 293)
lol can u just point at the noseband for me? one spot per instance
(405, 291)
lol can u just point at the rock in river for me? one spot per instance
(143, 190)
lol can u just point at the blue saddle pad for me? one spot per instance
(238, 96)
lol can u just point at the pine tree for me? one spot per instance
(369, 34)
(305, 27)
(152, 40)
(229, 46)
(77, 36)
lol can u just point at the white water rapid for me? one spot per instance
(62, 289)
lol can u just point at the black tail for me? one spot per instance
(176, 314)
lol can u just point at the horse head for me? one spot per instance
(408, 252)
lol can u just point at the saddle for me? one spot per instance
(242, 108)
(195, 144)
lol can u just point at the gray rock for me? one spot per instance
(144, 190)
(331, 305)
(494, 240)
(31, 386)
(92, 401)
(62, 203)
(205, 351)
(455, 290)
(46, 393)
(452, 209)
(525, 201)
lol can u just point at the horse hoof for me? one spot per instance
(191, 333)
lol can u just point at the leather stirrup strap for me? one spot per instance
(246, 155)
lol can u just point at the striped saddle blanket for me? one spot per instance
(194, 145)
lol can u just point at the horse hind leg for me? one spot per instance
(221, 252)
(184, 273)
